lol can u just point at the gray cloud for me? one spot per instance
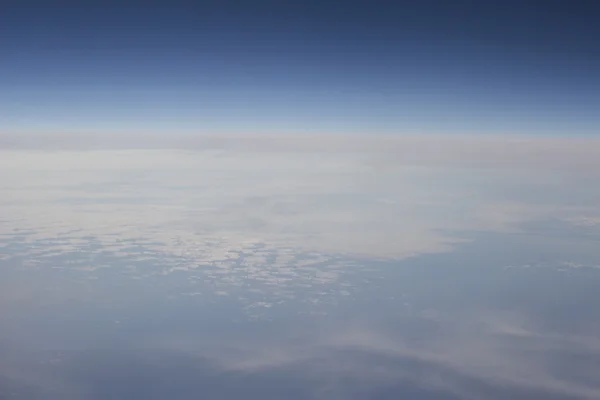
(467, 358)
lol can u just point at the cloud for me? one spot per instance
(226, 204)
(307, 202)
(283, 214)
(584, 221)
(377, 197)
(289, 214)
(483, 357)
(468, 357)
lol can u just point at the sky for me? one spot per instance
(389, 67)
(299, 199)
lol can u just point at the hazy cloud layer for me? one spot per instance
(378, 197)
(127, 265)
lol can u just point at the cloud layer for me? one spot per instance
(380, 197)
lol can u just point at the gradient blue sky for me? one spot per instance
(300, 66)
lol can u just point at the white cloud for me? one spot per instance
(375, 197)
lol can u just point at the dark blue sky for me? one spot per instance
(301, 66)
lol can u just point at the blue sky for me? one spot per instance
(331, 67)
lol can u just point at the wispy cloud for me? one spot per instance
(464, 357)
